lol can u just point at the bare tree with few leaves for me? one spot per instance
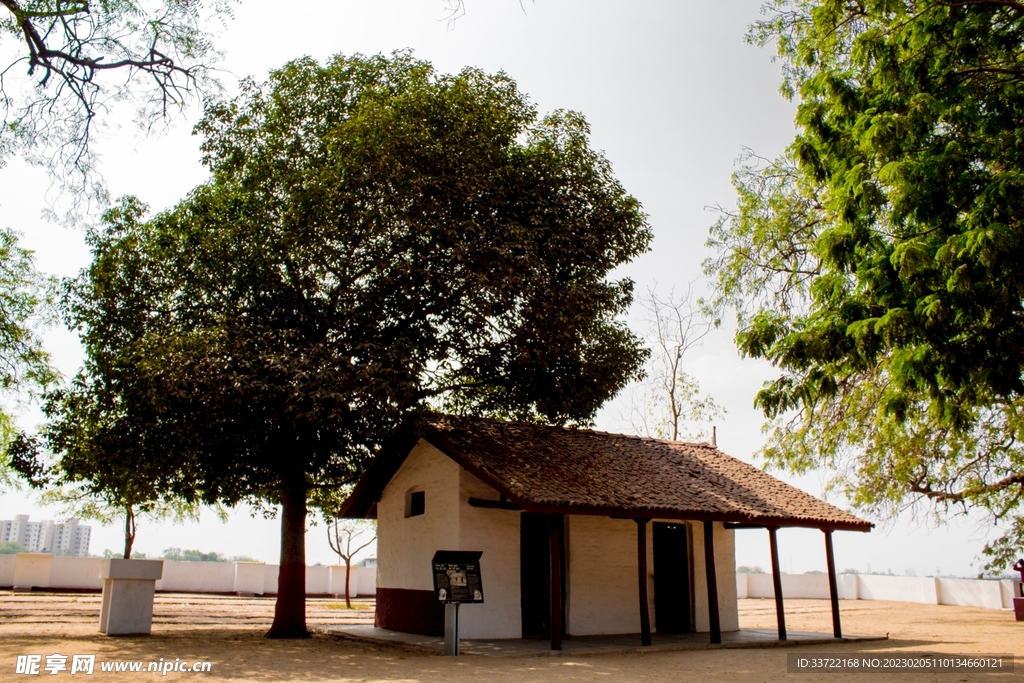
(81, 56)
(347, 539)
(456, 9)
(669, 403)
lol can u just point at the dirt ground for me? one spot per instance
(228, 633)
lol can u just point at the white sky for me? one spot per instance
(673, 95)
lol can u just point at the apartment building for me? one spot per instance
(70, 538)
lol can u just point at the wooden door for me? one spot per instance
(535, 572)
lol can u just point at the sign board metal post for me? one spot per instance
(456, 580)
(451, 629)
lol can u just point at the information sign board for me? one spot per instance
(457, 576)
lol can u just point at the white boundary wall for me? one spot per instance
(987, 593)
(225, 577)
(83, 573)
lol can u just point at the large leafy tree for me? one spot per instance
(878, 262)
(376, 239)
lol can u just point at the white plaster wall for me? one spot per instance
(76, 572)
(496, 534)
(318, 579)
(725, 571)
(760, 586)
(813, 586)
(198, 577)
(367, 581)
(7, 569)
(32, 569)
(1010, 589)
(338, 580)
(800, 586)
(741, 586)
(602, 576)
(898, 588)
(849, 586)
(406, 545)
(990, 594)
(249, 577)
(970, 593)
(270, 578)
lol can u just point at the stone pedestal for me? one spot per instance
(128, 587)
(31, 570)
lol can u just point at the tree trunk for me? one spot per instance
(129, 531)
(290, 610)
(348, 572)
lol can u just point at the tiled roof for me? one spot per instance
(577, 471)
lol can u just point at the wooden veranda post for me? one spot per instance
(780, 613)
(833, 588)
(641, 561)
(712, 581)
(556, 527)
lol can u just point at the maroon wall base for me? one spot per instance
(409, 611)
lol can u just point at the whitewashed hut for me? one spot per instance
(582, 532)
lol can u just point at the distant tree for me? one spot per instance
(25, 370)
(11, 548)
(877, 263)
(347, 537)
(90, 479)
(376, 240)
(744, 569)
(668, 403)
(179, 555)
(81, 56)
(110, 554)
(103, 499)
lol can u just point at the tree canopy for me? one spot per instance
(376, 240)
(877, 263)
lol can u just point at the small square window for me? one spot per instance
(415, 503)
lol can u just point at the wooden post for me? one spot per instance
(780, 612)
(556, 622)
(712, 581)
(833, 588)
(641, 561)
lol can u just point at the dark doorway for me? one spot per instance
(671, 579)
(535, 571)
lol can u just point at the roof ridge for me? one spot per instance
(598, 432)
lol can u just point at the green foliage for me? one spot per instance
(110, 554)
(376, 240)
(195, 556)
(25, 369)
(10, 548)
(744, 569)
(877, 263)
